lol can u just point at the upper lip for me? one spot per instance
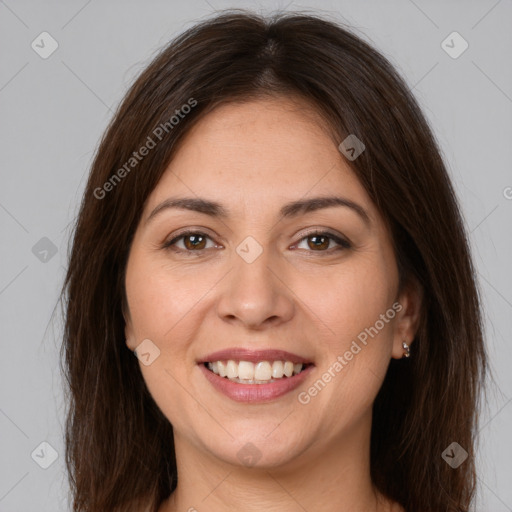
(254, 356)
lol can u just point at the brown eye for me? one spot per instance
(191, 241)
(194, 241)
(320, 242)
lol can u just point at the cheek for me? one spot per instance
(164, 305)
(356, 306)
(351, 300)
(161, 299)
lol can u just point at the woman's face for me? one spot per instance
(254, 277)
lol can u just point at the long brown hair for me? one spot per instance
(119, 446)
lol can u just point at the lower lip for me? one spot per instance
(255, 392)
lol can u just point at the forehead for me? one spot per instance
(259, 152)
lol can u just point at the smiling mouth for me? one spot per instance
(261, 372)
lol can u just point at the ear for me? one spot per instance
(408, 317)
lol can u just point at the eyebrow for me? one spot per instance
(289, 210)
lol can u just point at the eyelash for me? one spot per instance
(342, 243)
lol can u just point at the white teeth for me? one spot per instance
(259, 373)
(231, 370)
(222, 368)
(288, 368)
(277, 369)
(245, 370)
(263, 371)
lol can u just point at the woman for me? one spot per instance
(269, 227)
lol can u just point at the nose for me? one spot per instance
(256, 294)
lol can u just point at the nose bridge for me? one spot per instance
(253, 294)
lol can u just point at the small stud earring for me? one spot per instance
(407, 352)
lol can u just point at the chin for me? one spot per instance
(258, 451)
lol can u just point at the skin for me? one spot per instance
(253, 157)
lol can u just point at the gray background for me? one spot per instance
(54, 111)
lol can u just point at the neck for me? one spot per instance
(332, 476)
